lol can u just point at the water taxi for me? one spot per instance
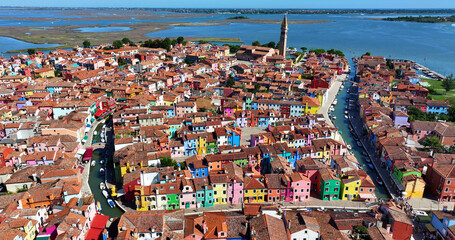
(348, 147)
(379, 181)
(101, 171)
(102, 186)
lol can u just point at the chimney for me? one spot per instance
(289, 224)
(204, 227)
(34, 177)
(388, 228)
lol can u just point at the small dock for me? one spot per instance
(429, 72)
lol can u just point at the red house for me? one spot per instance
(130, 181)
(400, 225)
(318, 83)
(440, 180)
(4, 152)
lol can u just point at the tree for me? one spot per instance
(317, 51)
(117, 44)
(256, 43)
(168, 162)
(58, 73)
(304, 49)
(257, 88)
(167, 44)
(230, 82)
(389, 64)
(448, 83)
(127, 41)
(367, 54)
(272, 44)
(180, 40)
(432, 142)
(86, 44)
(31, 51)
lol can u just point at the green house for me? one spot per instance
(401, 170)
(204, 192)
(173, 192)
(330, 185)
(212, 147)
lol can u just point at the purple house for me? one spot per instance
(301, 186)
(400, 119)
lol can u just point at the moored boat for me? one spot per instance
(379, 181)
(105, 193)
(101, 171)
(111, 203)
(98, 206)
(102, 186)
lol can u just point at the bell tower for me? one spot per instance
(283, 36)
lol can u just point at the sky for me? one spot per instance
(239, 3)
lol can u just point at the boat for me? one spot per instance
(93, 163)
(346, 112)
(346, 116)
(364, 153)
(102, 186)
(334, 117)
(359, 144)
(111, 203)
(101, 171)
(371, 166)
(335, 102)
(348, 147)
(105, 193)
(379, 181)
(368, 160)
(102, 161)
(98, 206)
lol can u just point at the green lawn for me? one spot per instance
(439, 92)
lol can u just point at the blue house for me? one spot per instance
(233, 138)
(190, 144)
(170, 113)
(198, 166)
(438, 107)
(441, 221)
(263, 121)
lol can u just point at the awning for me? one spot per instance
(367, 196)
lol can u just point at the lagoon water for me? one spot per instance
(432, 45)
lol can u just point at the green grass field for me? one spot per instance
(439, 92)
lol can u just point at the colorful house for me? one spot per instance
(254, 191)
(301, 186)
(350, 186)
(204, 192)
(329, 186)
(219, 184)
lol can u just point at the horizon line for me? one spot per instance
(241, 8)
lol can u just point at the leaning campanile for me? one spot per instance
(284, 36)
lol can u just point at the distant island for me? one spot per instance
(238, 17)
(423, 19)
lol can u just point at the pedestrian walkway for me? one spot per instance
(331, 96)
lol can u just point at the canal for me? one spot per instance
(95, 178)
(343, 125)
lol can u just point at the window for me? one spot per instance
(448, 182)
(347, 188)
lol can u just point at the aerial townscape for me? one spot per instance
(183, 137)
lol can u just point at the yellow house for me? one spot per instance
(254, 191)
(44, 73)
(7, 114)
(414, 186)
(386, 98)
(311, 105)
(350, 186)
(219, 184)
(202, 144)
(27, 226)
(126, 169)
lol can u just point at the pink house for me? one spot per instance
(177, 149)
(302, 186)
(309, 167)
(188, 195)
(235, 187)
